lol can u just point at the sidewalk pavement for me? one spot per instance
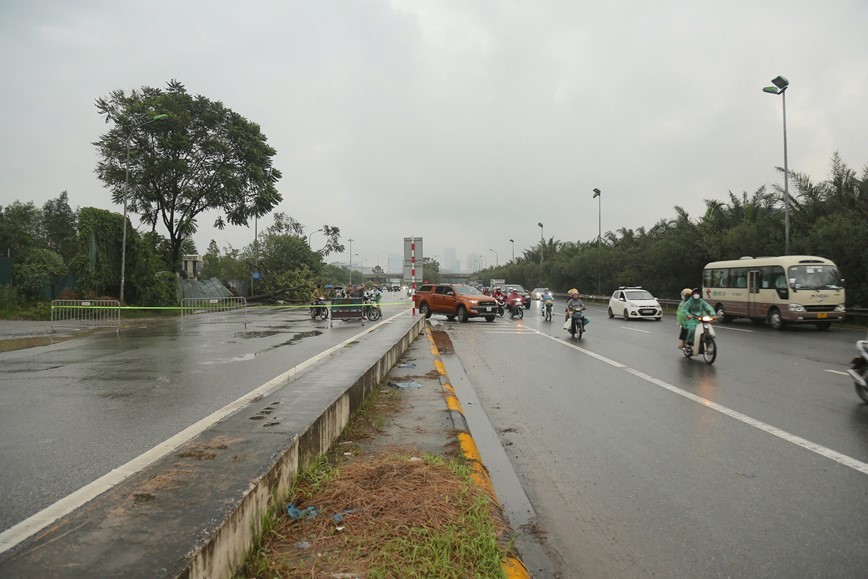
(194, 512)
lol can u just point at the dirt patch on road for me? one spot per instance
(443, 341)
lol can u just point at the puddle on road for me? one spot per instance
(262, 334)
(294, 340)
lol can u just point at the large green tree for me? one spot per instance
(201, 157)
(59, 227)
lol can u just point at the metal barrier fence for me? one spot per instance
(214, 310)
(86, 314)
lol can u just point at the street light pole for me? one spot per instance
(542, 243)
(126, 194)
(599, 197)
(513, 250)
(311, 235)
(496, 258)
(351, 260)
(780, 88)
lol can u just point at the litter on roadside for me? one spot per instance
(410, 384)
(306, 513)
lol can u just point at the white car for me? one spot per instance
(537, 293)
(634, 303)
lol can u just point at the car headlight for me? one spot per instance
(796, 308)
(840, 308)
(473, 302)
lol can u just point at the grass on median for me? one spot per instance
(383, 514)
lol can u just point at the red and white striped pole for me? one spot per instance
(413, 272)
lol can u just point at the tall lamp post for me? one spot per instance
(599, 197)
(542, 242)
(351, 260)
(513, 249)
(496, 258)
(153, 119)
(780, 88)
(311, 235)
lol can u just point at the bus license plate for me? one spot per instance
(822, 315)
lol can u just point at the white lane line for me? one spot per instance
(768, 428)
(720, 327)
(838, 372)
(637, 330)
(35, 523)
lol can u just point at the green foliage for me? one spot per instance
(19, 227)
(97, 266)
(58, 227)
(39, 271)
(201, 157)
(829, 219)
(431, 269)
(230, 264)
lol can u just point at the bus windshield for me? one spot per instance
(814, 277)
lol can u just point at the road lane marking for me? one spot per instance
(838, 372)
(637, 330)
(35, 523)
(838, 457)
(719, 327)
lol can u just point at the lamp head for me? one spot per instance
(780, 82)
(771, 90)
(597, 191)
(540, 224)
(159, 117)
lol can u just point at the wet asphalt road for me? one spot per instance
(639, 462)
(73, 411)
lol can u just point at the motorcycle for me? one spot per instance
(516, 309)
(577, 314)
(501, 305)
(372, 309)
(318, 311)
(859, 370)
(547, 309)
(704, 336)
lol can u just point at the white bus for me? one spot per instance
(783, 290)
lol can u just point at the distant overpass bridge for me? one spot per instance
(445, 276)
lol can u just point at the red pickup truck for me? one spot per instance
(454, 301)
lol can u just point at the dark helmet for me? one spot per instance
(697, 290)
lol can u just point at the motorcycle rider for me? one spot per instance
(690, 310)
(512, 300)
(545, 297)
(682, 317)
(575, 300)
(499, 295)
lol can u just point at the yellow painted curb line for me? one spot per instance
(512, 567)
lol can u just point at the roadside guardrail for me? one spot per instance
(86, 314)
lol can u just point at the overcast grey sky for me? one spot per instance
(463, 122)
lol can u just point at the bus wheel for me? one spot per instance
(775, 319)
(721, 315)
(823, 325)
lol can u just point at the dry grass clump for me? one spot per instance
(399, 516)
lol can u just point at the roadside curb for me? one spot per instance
(513, 567)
